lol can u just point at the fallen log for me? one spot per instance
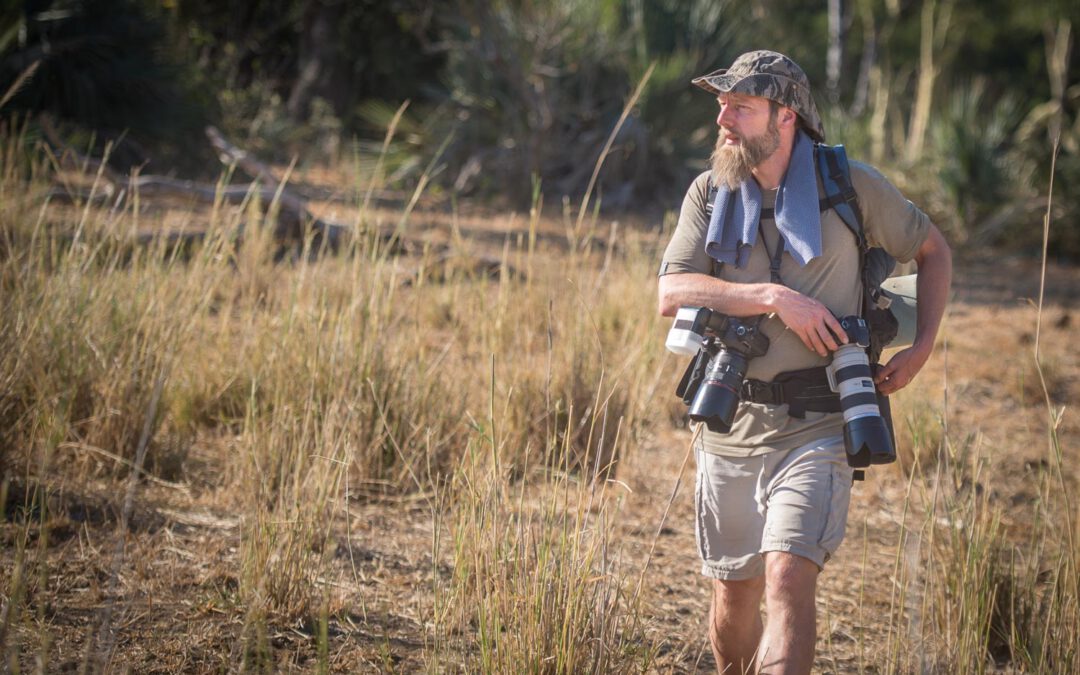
(158, 186)
(293, 214)
(293, 219)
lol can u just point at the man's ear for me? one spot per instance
(788, 117)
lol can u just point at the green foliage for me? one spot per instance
(100, 64)
(1046, 123)
(278, 64)
(535, 89)
(509, 94)
(982, 169)
(977, 174)
(534, 95)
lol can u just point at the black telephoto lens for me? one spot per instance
(719, 394)
(868, 442)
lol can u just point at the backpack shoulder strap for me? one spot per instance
(840, 194)
(710, 196)
(710, 199)
(876, 264)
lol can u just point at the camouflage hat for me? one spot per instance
(772, 76)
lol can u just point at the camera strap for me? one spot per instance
(692, 377)
(775, 257)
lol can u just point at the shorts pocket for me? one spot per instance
(699, 515)
(839, 500)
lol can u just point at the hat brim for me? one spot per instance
(722, 82)
(764, 85)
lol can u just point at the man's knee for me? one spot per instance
(789, 577)
(740, 594)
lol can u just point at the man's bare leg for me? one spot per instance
(787, 645)
(735, 624)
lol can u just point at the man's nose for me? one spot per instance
(723, 118)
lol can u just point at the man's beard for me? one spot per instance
(733, 164)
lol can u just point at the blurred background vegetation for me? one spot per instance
(958, 100)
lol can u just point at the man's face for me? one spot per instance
(748, 136)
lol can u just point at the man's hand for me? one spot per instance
(810, 320)
(935, 277)
(900, 370)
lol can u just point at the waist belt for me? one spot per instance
(801, 390)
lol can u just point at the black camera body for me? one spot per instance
(723, 346)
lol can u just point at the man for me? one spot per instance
(772, 494)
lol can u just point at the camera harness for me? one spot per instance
(808, 389)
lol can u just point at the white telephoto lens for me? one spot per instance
(849, 375)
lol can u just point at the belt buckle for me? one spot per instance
(759, 392)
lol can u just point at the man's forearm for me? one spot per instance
(808, 318)
(933, 283)
(703, 290)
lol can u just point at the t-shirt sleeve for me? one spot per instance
(686, 251)
(891, 221)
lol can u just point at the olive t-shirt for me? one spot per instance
(889, 221)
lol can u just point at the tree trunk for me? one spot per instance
(881, 77)
(866, 63)
(317, 56)
(834, 58)
(935, 26)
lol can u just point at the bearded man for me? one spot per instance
(772, 493)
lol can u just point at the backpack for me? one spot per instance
(876, 264)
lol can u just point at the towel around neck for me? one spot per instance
(733, 228)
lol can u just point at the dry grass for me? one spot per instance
(371, 462)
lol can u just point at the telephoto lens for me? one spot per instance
(866, 435)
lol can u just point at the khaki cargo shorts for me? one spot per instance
(795, 501)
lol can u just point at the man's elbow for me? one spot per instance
(941, 246)
(666, 307)
(667, 304)
(935, 250)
